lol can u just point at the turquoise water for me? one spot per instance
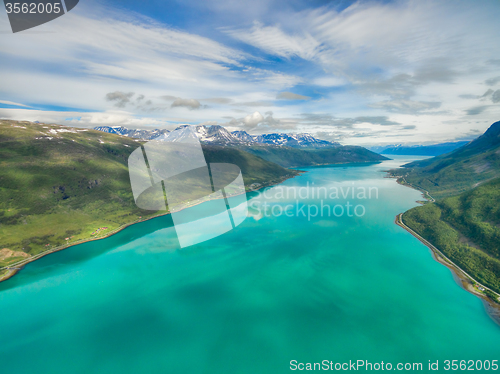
(275, 289)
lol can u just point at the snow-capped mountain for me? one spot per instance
(294, 140)
(288, 140)
(111, 130)
(132, 133)
(244, 136)
(215, 134)
(308, 140)
(218, 135)
(185, 134)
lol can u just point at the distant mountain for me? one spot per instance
(215, 134)
(207, 135)
(421, 150)
(302, 140)
(379, 148)
(293, 140)
(460, 170)
(109, 130)
(137, 134)
(218, 135)
(244, 136)
(286, 150)
(180, 134)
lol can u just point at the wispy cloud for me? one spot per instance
(291, 96)
(274, 40)
(373, 69)
(406, 106)
(476, 110)
(120, 99)
(6, 102)
(187, 103)
(492, 81)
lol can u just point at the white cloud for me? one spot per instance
(253, 119)
(122, 54)
(119, 98)
(492, 81)
(329, 81)
(84, 119)
(422, 64)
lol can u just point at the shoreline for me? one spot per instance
(14, 268)
(464, 280)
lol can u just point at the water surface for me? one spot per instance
(275, 289)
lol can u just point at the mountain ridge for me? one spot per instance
(219, 135)
(419, 150)
(289, 157)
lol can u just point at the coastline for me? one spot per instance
(425, 194)
(14, 268)
(464, 280)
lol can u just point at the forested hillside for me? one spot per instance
(466, 228)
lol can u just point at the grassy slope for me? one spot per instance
(55, 185)
(293, 157)
(466, 228)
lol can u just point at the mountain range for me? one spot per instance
(295, 150)
(419, 150)
(219, 135)
(132, 133)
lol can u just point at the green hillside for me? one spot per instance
(58, 182)
(460, 170)
(466, 228)
(293, 157)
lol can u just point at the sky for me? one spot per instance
(358, 72)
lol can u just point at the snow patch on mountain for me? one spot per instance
(218, 135)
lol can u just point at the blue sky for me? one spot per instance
(359, 72)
